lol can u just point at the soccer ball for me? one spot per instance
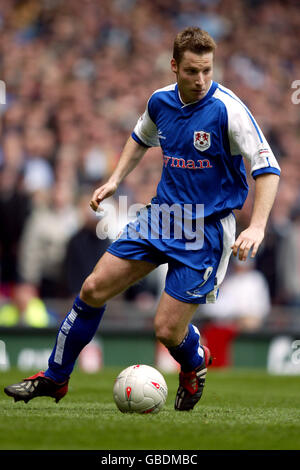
(140, 389)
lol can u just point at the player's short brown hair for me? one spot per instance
(192, 39)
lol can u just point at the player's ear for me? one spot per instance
(174, 66)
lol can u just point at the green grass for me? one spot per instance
(239, 410)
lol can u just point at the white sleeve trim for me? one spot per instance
(146, 130)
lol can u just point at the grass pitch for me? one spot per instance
(239, 410)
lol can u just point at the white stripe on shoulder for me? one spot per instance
(166, 88)
(227, 96)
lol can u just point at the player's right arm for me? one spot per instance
(130, 157)
(143, 137)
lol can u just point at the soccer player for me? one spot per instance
(204, 131)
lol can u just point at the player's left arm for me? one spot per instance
(250, 239)
(247, 139)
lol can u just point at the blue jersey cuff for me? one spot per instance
(139, 141)
(263, 171)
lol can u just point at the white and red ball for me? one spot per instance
(140, 389)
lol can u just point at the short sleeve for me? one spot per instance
(247, 139)
(145, 131)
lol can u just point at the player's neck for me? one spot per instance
(186, 102)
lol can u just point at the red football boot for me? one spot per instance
(37, 386)
(191, 384)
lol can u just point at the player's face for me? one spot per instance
(194, 75)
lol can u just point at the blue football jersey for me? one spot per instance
(203, 146)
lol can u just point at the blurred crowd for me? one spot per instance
(78, 75)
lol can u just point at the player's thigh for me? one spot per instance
(111, 276)
(172, 319)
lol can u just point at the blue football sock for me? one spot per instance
(76, 331)
(188, 353)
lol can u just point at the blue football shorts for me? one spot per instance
(193, 276)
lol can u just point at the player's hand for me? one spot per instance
(105, 191)
(249, 239)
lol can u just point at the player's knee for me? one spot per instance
(166, 334)
(90, 292)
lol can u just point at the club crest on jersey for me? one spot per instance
(201, 140)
